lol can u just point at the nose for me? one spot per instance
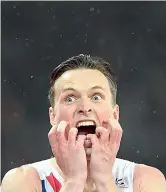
(84, 111)
(84, 108)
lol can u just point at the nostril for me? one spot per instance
(84, 111)
(80, 112)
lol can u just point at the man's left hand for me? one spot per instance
(104, 150)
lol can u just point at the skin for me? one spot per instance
(79, 98)
(101, 109)
(80, 167)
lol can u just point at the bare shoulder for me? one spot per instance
(147, 177)
(24, 178)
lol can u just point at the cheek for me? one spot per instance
(64, 112)
(104, 113)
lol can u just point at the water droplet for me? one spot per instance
(137, 151)
(15, 114)
(92, 9)
(16, 37)
(53, 28)
(27, 44)
(18, 13)
(12, 162)
(61, 36)
(132, 33)
(54, 17)
(31, 76)
(157, 156)
(98, 11)
(87, 24)
(149, 30)
(14, 6)
(154, 112)
(49, 57)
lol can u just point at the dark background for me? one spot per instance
(37, 36)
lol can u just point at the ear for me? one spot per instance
(116, 112)
(52, 116)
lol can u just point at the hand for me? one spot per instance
(69, 153)
(104, 150)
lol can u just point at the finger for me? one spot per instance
(88, 151)
(98, 131)
(80, 140)
(87, 143)
(115, 141)
(61, 131)
(119, 135)
(52, 135)
(72, 136)
(104, 134)
(111, 125)
(116, 134)
(93, 138)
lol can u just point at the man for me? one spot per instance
(85, 138)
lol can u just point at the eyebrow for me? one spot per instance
(72, 89)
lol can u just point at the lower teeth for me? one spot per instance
(82, 133)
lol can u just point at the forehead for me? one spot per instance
(82, 79)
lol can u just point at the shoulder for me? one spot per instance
(147, 177)
(145, 171)
(22, 177)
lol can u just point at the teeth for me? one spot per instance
(85, 123)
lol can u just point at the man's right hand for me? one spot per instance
(69, 152)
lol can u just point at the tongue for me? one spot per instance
(82, 133)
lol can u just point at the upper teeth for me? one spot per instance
(85, 123)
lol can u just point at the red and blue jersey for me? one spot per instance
(51, 180)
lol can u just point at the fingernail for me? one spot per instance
(62, 126)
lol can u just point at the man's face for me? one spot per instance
(81, 95)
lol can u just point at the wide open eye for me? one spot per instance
(70, 99)
(96, 97)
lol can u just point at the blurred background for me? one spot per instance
(37, 36)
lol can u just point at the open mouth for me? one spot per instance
(88, 129)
